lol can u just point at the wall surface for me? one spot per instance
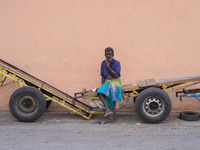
(62, 41)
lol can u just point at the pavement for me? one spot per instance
(68, 131)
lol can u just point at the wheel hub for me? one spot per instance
(27, 104)
(153, 106)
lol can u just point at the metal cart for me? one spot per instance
(152, 102)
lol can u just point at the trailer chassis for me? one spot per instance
(151, 97)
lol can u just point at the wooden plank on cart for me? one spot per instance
(151, 82)
(146, 83)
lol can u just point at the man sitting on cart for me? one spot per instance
(110, 89)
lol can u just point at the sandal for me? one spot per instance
(108, 114)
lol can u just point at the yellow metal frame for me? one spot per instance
(133, 91)
(64, 102)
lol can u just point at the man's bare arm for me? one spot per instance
(102, 79)
(112, 72)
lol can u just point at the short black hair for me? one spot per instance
(108, 49)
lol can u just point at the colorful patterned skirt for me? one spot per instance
(112, 91)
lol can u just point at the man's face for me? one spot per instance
(109, 56)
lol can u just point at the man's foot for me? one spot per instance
(112, 117)
(108, 113)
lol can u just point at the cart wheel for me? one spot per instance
(189, 116)
(153, 105)
(27, 104)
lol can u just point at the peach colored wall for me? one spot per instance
(62, 41)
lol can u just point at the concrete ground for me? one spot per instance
(64, 131)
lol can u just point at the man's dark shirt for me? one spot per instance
(115, 66)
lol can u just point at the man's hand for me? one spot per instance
(112, 72)
(107, 64)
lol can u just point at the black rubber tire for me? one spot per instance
(189, 116)
(153, 105)
(27, 104)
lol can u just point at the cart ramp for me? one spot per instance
(51, 93)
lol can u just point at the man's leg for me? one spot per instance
(108, 111)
